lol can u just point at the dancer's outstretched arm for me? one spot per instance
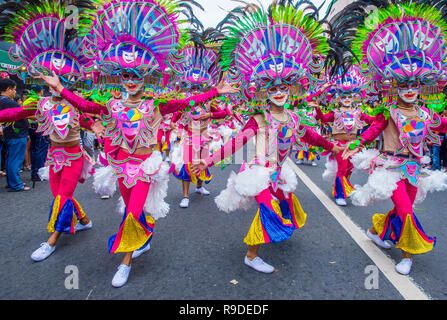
(80, 103)
(313, 138)
(378, 126)
(231, 147)
(172, 106)
(16, 114)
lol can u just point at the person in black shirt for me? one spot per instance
(15, 138)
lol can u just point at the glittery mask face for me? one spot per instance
(409, 93)
(278, 95)
(346, 100)
(132, 83)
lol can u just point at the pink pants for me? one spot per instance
(136, 229)
(342, 187)
(66, 210)
(400, 225)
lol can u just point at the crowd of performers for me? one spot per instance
(172, 102)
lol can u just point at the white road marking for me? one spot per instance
(404, 284)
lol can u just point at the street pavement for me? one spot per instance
(197, 253)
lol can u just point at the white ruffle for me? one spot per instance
(177, 156)
(242, 188)
(331, 170)
(104, 183)
(226, 132)
(436, 181)
(379, 187)
(44, 173)
(362, 160)
(155, 204)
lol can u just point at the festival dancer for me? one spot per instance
(133, 56)
(280, 63)
(43, 44)
(346, 120)
(197, 71)
(405, 70)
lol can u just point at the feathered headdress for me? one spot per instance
(45, 37)
(402, 42)
(135, 35)
(196, 63)
(280, 45)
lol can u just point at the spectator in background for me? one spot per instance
(27, 163)
(15, 137)
(39, 144)
(2, 173)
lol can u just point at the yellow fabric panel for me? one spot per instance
(81, 211)
(411, 241)
(348, 187)
(255, 235)
(300, 215)
(133, 236)
(379, 222)
(54, 214)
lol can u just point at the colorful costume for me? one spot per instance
(197, 70)
(409, 68)
(346, 121)
(140, 50)
(278, 52)
(43, 44)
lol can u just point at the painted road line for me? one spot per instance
(404, 284)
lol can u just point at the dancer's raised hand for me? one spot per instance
(227, 88)
(52, 81)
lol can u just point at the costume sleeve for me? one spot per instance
(380, 123)
(177, 105)
(217, 113)
(82, 104)
(235, 144)
(368, 119)
(314, 139)
(86, 121)
(16, 114)
(442, 128)
(325, 118)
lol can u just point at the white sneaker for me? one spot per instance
(105, 197)
(80, 227)
(404, 267)
(184, 203)
(121, 276)
(43, 252)
(377, 240)
(314, 164)
(341, 202)
(139, 252)
(259, 265)
(299, 161)
(202, 191)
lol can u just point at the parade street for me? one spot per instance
(198, 253)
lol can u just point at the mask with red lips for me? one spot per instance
(278, 95)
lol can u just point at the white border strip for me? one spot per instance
(404, 284)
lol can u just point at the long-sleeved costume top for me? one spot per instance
(58, 120)
(345, 121)
(403, 134)
(134, 126)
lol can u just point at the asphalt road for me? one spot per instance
(197, 253)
